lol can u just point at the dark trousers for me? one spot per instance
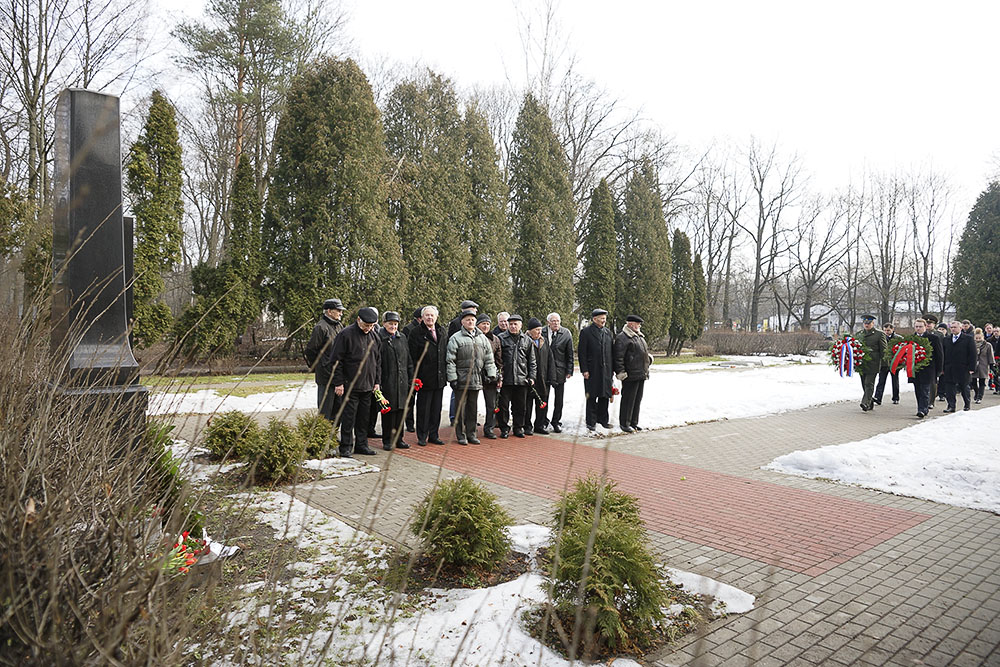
(373, 413)
(429, 414)
(354, 422)
(952, 388)
(597, 406)
(411, 411)
(979, 384)
(628, 414)
(558, 391)
(534, 404)
(327, 402)
(466, 410)
(451, 406)
(490, 398)
(868, 384)
(922, 388)
(515, 398)
(392, 431)
(880, 389)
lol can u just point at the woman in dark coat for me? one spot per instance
(397, 377)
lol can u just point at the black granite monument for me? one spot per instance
(91, 275)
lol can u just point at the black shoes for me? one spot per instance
(367, 451)
(966, 408)
(474, 441)
(436, 441)
(387, 448)
(463, 442)
(527, 431)
(895, 401)
(489, 435)
(402, 445)
(556, 428)
(372, 434)
(606, 425)
(921, 415)
(410, 429)
(628, 429)
(591, 427)
(878, 401)
(345, 454)
(518, 433)
(949, 410)
(421, 444)
(504, 434)
(542, 431)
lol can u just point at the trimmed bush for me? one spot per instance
(318, 434)
(279, 451)
(232, 434)
(704, 351)
(603, 573)
(461, 524)
(746, 343)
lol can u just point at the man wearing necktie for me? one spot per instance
(959, 365)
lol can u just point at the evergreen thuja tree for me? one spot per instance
(700, 301)
(153, 176)
(326, 232)
(644, 260)
(596, 289)
(542, 214)
(682, 316)
(976, 292)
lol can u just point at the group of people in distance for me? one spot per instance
(401, 371)
(963, 361)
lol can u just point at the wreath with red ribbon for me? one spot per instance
(847, 354)
(912, 353)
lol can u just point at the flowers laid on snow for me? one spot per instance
(184, 554)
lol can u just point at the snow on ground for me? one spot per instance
(675, 394)
(953, 459)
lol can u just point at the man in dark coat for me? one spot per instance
(631, 365)
(519, 367)
(595, 364)
(397, 378)
(319, 344)
(490, 386)
(429, 349)
(891, 338)
(934, 333)
(875, 341)
(959, 365)
(560, 342)
(538, 394)
(356, 357)
(923, 379)
(993, 338)
(411, 410)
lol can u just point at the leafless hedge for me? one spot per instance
(745, 343)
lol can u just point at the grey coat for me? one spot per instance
(469, 358)
(984, 359)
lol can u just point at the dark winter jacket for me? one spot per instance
(318, 347)
(927, 374)
(519, 362)
(595, 358)
(984, 359)
(497, 359)
(432, 370)
(561, 346)
(889, 342)
(875, 341)
(959, 358)
(470, 357)
(631, 356)
(545, 371)
(356, 354)
(397, 369)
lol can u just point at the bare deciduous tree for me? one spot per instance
(885, 238)
(927, 200)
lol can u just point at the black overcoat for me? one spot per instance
(432, 370)
(318, 348)
(397, 369)
(561, 349)
(631, 356)
(595, 358)
(959, 358)
(355, 353)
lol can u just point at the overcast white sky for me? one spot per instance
(888, 85)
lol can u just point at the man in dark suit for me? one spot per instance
(560, 342)
(539, 392)
(959, 365)
(594, 354)
(923, 379)
(428, 350)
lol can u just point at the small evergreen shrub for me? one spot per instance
(461, 524)
(232, 434)
(279, 451)
(622, 596)
(318, 434)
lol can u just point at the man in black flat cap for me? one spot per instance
(874, 340)
(518, 370)
(356, 357)
(319, 345)
(594, 354)
(631, 361)
(397, 377)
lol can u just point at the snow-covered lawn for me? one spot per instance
(674, 395)
(953, 459)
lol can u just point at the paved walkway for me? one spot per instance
(843, 575)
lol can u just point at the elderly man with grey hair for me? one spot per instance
(501, 323)
(560, 341)
(429, 349)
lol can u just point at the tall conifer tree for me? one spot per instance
(326, 232)
(976, 292)
(645, 266)
(700, 298)
(682, 316)
(153, 176)
(542, 215)
(597, 288)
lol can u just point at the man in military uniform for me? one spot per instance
(631, 364)
(594, 354)
(329, 325)
(875, 341)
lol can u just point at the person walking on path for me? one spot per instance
(959, 365)
(356, 357)
(631, 360)
(869, 367)
(519, 366)
(560, 342)
(428, 349)
(470, 358)
(923, 380)
(984, 359)
(891, 338)
(595, 365)
(490, 390)
(316, 352)
(397, 378)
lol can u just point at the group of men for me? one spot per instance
(961, 356)
(401, 372)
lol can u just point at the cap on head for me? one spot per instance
(634, 318)
(368, 315)
(465, 305)
(468, 313)
(598, 312)
(390, 316)
(333, 304)
(417, 313)
(867, 318)
(534, 323)
(514, 318)
(483, 317)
